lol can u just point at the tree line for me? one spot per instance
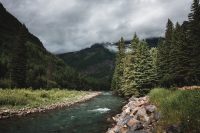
(174, 63)
(25, 64)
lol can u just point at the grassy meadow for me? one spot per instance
(28, 98)
(179, 107)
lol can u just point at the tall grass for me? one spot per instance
(181, 107)
(21, 98)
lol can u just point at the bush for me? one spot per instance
(178, 107)
(19, 98)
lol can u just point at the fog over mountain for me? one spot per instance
(71, 25)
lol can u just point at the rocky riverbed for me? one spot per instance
(138, 116)
(7, 113)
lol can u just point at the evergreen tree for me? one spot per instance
(179, 58)
(128, 80)
(144, 74)
(194, 42)
(163, 56)
(139, 74)
(118, 72)
(154, 69)
(19, 60)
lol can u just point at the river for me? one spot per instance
(88, 117)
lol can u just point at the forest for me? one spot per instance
(25, 62)
(174, 63)
(160, 76)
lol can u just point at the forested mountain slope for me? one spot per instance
(43, 69)
(97, 62)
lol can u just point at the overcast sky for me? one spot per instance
(71, 25)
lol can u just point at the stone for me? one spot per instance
(141, 113)
(128, 110)
(110, 131)
(150, 108)
(124, 121)
(138, 116)
(139, 131)
(137, 126)
(132, 122)
(156, 116)
(124, 130)
(116, 129)
(134, 111)
(133, 98)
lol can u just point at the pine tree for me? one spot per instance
(139, 75)
(128, 79)
(128, 84)
(163, 56)
(144, 75)
(154, 69)
(19, 59)
(179, 58)
(119, 66)
(194, 42)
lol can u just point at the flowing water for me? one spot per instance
(88, 117)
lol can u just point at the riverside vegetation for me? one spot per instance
(27, 98)
(179, 108)
(173, 64)
(20, 102)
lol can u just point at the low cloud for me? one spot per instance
(71, 25)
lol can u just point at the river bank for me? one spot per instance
(138, 116)
(62, 99)
(86, 117)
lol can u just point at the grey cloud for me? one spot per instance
(70, 25)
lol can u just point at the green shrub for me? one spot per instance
(178, 107)
(20, 98)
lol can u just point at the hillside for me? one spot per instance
(96, 63)
(44, 70)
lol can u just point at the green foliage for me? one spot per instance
(19, 60)
(178, 107)
(25, 61)
(28, 98)
(135, 71)
(178, 59)
(95, 63)
(163, 56)
(118, 72)
(194, 42)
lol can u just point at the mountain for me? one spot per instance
(44, 69)
(96, 63)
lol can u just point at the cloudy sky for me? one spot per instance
(71, 25)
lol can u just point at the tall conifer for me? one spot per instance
(19, 59)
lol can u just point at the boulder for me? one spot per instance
(133, 98)
(123, 130)
(134, 111)
(141, 113)
(150, 108)
(139, 131)
(137, 126)
(138, 116)
(124, 121)
(128, 110)
(132, 122)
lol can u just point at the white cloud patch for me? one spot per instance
(70, 25)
